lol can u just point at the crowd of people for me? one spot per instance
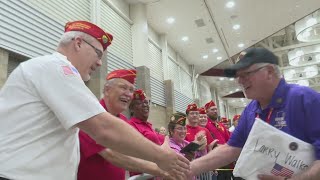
(53, 127)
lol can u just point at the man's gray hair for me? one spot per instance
(275, 67)
(69, 36)
(109, 83)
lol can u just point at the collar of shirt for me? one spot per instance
(138, 121)
(62, 57)
(278, 99)
(103, 104)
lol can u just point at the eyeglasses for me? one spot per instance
(246, 75)
(98, 51)
(180, 128)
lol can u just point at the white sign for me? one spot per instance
(272, 152)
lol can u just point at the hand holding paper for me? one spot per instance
(272, 152)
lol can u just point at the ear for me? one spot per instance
(77, 43)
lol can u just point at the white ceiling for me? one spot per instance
(258, 19)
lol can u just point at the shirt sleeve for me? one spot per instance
(66, 95)
(88, 146)
(311, 110)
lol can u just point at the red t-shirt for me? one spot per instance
(218, 131)
(94, 166)
(192, 131)
(145, 128)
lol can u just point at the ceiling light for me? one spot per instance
(219, 58)
(221, 79)
(304, 55)
(231, 79)
(230, 4)
(237, 89)
(170, 20)
(230, 92)
(215, 50)
(240, 45)
(185, 38)
(308, 28)
(205, 57)
(236, 27)
(300, 72)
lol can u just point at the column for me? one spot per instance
(4, 60)
(169, 94)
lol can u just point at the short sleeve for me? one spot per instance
(88, 146)
(64, 92)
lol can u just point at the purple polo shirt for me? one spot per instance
(297, 105)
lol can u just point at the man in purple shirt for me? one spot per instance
(259, 75)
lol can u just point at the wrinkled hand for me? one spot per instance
(213, 144)
(269, 177)
(173, 162)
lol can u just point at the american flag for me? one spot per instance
(279, 170)
(68, 71)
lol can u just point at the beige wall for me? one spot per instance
(157, 116)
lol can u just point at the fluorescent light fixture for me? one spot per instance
(307, 29)
(231, 79)
(219, 58)
(240, 45)
(215, 50)
(230, 4)
(170, 20)
(185, 38)
(236, 26)
(221, 78)
(205, 57)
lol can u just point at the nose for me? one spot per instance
(99, 62)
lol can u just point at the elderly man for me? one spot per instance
(259, 75)
(163, 131)
(98, 162)
(45, 101)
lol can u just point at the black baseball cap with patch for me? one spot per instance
(250, 57)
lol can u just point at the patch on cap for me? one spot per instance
(209, 104)
(192, 107)
(178, 118)
(139, 94)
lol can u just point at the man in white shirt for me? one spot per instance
(45, 101)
